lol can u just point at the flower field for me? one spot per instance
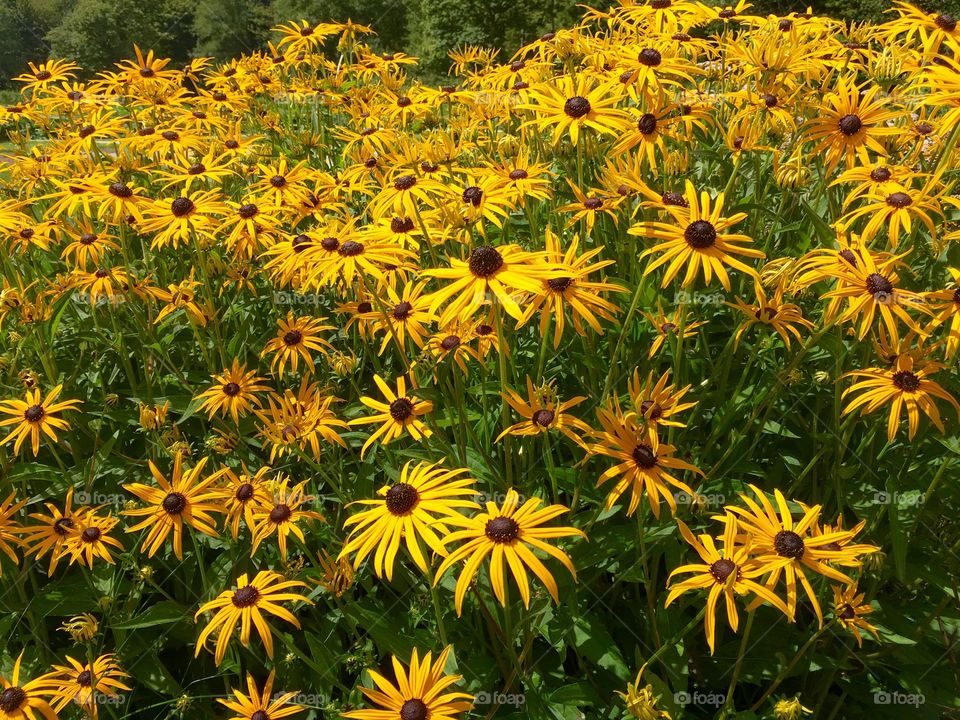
(616, 378)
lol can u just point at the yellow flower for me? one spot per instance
(34, 416)
(399, 414)
(247, 604)
(508, 535)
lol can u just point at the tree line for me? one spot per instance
(97, 33)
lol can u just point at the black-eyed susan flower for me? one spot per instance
(678, 325)
(789, 548)
(296, 337)
(10, 528)
(87, 685)
(51, 532)
(569, 289)
(179, 220)
(186, 499)
(248, 604)
(905, 386)
(26, 700)
(90, 539)
(945, 306)
(300, 421)
(871, 286)
(401, 315)
(234, 392)
(658, 403)
(490, 274)
(568, 105)
(35, 416)
(697, 242)
(265, 705)
(542, 411)
(850, 123)
(282, 514)
(508, 535)
(783, 318)
(420, 692)
(644, 464)
(728, 571)
(409, 513)
(400, 413)
(243, 495)
(850, 611)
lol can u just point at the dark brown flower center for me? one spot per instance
(788, 544)
(414, 710)
(946, 22)
(473, 195)
(727, 13)
(231, 389)
(880, 174)
(899, 200)
(401, 409)
(174, 503)
(280, 514)
(576, 107)
(674, 198)
(34, 413)
(402, 310)
(502, 530)
(12, 699)
(248, 210)
(450, 342)
(182, 207)
(293, 337)
(651, 409)
(850, 125)
(650, 57)
(278, 181)
(878, 285)
(245, 596)
(647, 124)
(260, 715)
(785, 25)
(120, 190)
(404, 182)
(86, 131)
(848, 256)
(543, 417)
(484, 329)
(170, 135)
(559, 284)
(330, 244)
(244, 492)
(847, 612)
(722, 569)
(644, 456)
(62, 526)
(401, 225)
(700, 234)
(197, 169)
(402, 499)
(519, 174)
(923, 128)
(485, 261)
(593, 203)
(91, 534)
(85, 678)
(906, 381)
(350, 248)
